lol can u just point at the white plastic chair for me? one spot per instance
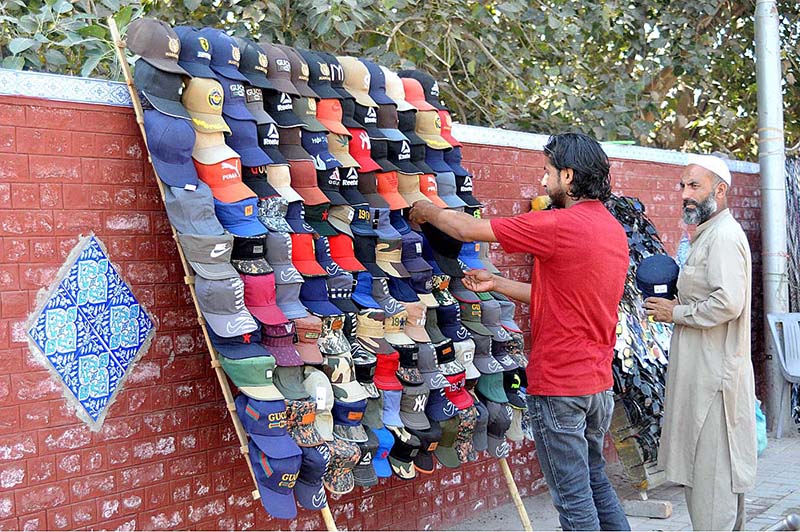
(787, 343)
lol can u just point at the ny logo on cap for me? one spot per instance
(365, 145)
(419, 403)
(203, 43)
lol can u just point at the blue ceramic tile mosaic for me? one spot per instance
(91, 330)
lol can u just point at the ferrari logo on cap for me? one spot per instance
(203, 43)
(174, 47)
(215, 98)
(235, 54)
(438, 122)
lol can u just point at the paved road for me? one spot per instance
(776, 494)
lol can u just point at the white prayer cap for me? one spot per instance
(712, 164)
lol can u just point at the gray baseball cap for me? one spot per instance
(380, 291)
(479, 436)
(209, 255)
(222, 304)
(499, 422)
(279, 252)
(483, 359)
(289, 380)
(272, 213)
(490, 317)
(446, 186)
(288, 300)
(426, 362)
(192, 211)
(412, 407)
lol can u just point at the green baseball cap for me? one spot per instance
(491, 387)
(253, 376)
(445, 452)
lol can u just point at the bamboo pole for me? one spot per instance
(119, 47)
(512, 487)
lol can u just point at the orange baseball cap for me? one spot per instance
(387, 188)
(427, 185)
(225, 180)
(329, 113)
(415, 95)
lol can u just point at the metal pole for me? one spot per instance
(773, 188)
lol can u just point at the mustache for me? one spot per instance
(688, 202)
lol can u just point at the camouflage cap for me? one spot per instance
(341, 372)
(466, 428)
(344, 456)
(300, 416)
(319, 389)
(332, 340)
(405, 449)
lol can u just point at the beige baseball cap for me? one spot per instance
(202, 98)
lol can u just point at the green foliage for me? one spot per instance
(664, 73)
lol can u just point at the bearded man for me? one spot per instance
(708, 440)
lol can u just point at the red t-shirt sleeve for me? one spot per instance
(533, 232)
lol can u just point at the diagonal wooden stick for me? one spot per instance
(512, 487)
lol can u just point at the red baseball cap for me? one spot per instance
(342, 253)
(415, 95)
(385, 372)
(428, 186)
(387, 188)
(259, 298)
(361, 150)
(447, 128)
(304, 182)
(329, 113)
(456, 393)
(303, 256)
(225, 180)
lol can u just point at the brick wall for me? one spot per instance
(167, 456)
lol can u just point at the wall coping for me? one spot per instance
(105, 92)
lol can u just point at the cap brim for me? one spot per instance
(175, 175)
(299, 226)
(453, 367)
(322, 308)
(407, 167)
(262, 393)
(511, 326)
(462, 399)
(275, 224)
(309, 353)
(325, 91)
(418, 334)
(436, 200)
(497, 447)
(435, 380)
(240, 351)
(310, 123)
(304, 90)
(295, 152)
(214, 154)
(447, 456)
(453, 201)
(309, 267)
(476, 327)
(499, 333)
(382, 467)
(286, 119)
(355, 434)
(365, 476)
(362, 98)
(286, 356)
(334, 127)
(324, 424)
(277, 447)
(345, 305)
(487, 365)
(322, 227)
(421, 105)
(398, 338)
(283, 85)
(402, 469)
(275, 154)
(278, 505)
(257, 266)
(230, 325)
(376, 346)
(395, 269)
(403, 105)
(253, 156)
(394, 135)
(167, 65)
(367, 164)
(344, 483)
(310, 496)
(386, 165)
(289, 194)
(209, 123)
(228, 72)
(168, 107)
(415, 420)
(472, 371)
(246, 227)
(341, 226)
(217, 271)
(429, 300)
(258, 79)
(197, 70)
(395, 201)
(469, 199)
(259, 114)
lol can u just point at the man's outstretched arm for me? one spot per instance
(456, 224)
(483, 281)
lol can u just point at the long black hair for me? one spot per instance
(588, 161)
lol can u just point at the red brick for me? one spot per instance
(13, 115)
(41, 469)
(112, 171)
(68, 465)
(120, 428)
(29, 222)
(15, 249)
(83, 513)
(34, 386)
(187, 465)
(44, 141)
(7, 139)
(171, 517)
(127, 223)
(15, 305)
(52, 117)
(109, 122)
(13, 523)
(34, 499)
(43, 249)
(135, 477)
(37, 521)
(92, 486)
(65, 438)
(59, 519)
(120, 504)
(50, 195)
(14, 167)
(9, 277)
(157, 495)
(9, 419)
(60, 169)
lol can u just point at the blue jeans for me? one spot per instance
(569, 433)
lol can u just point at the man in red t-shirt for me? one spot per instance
(581, 262)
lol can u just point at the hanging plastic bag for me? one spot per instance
(761, 428)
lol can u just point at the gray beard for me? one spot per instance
(702, 211)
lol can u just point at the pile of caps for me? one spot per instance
(640, 361)
(357, 351)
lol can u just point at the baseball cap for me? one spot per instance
(363, 293)
(317, 217)
(469, 255)
(364, 473)
(407, 124)
(441, 289)
(289, 380)
(408, 372)
(446, 358)
(471, 318)
(377, 83)
(450, 323)
(432, 375)
(432, 326)
(430, 86)
(161, 89)
(300, 416)
(490, 317)
(272, 212)
(657, 276)
(279, 249)
(342, 253)
(308, 490)
(192, 211)
(386, 373)
(253, 376)
(244, 140)
(329, 114)
(156, 42)
(445, 452)
(429, 441)
(465, 354)
(244, 345)
(319, 389)
(512, 385)
(412, 407)
(499, 422)
(370, 332)
(483, 360)
(279, 105)
(464, 191)
(259, 297)
(222, 305)
(361, 148)
(381, 460)
(288, 300)
(234, 106)
(319, 74)
(339, 146)
(316, 144)
(387, 187)
(447, 134)
(400, 289)
(306, 110)
(170, 142)
(209, 255)
(304, 182)
(466, 428)
(276, 479)
(265, 423)
(322, 252)
(408, 185)
(269, 140)
(453, 159)
(380, 291)
(280, 178)
(415, 322)
(388, 122)
(337, 75)
(314, 296)
(338, 477)
(399, 154)
(500, 353)
(415, 95)
(340, 292)
(332, 340)
(347, 420)
(340, 217)
(210, 148)
(356, 80)
(483, 255)
(405, 449)
(430, 189)
(203, 99)
(240, 217)
(439, 407)
(383, 227)
(253, 63)
(395, 90)
(372, 415)
(441, 252)
(446, 188)
(367, 185)
(348, 113)
(456, 393)
(490, 386)
(380, 153)
(361, 225)
(308, 330)
(516, 350)
(479, 436)
(225, 54)
(248, 255)
(329, 182)
(254, 101)
(388, 256)
(279, 69)
(391, 407)
(303, 255)
(299, 71)
(365, 374)
(279, 339)
(225, 179)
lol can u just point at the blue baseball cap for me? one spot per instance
(391, 408)
(453, 159)
(398, 222)
(384, 228)
(246, 345)
(362, 221)
(296, 219)
(244, 141)
(240, 217)
(412, 253)
(234, 103)
(439, 407)
(225, 54)
(171, 141)
(265, 422)
(377, 84)
(448, 318)
(363, 292)
(316, 144)
(308, 489)
(381, 459)
(434, 159)
(276, 478)
(196, 52)
(347, 420)
(469, 255)
(314, 296)
(657, 276)
(401, 290)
